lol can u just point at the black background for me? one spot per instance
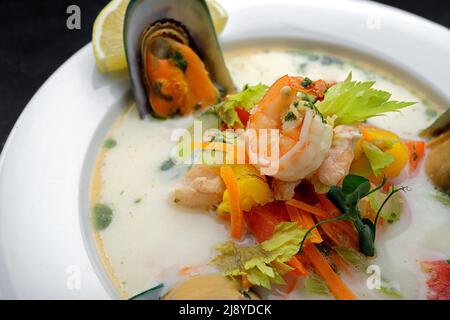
(34, 42)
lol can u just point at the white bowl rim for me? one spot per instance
(28, 245)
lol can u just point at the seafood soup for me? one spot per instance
(159, 221)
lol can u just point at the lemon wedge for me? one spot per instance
(218, 15)
(107, 37)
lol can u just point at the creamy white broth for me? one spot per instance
(150, 239)
(149, 235)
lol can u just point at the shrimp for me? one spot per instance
(201, 188)
(340, 156)
(304, 138)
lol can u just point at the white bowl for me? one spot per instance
(46, 250)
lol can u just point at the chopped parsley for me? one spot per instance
(308, 98)
(166, 165)
(306, 82)
(109, 143)
(290, 116)
(102, 216)
(179, 60)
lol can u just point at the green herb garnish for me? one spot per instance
(166, 165)
(179, 60)
(308, 98)
(246, 99)
(102, 216)
(346, 198)
(316, 285)
(352, 102)
(306, 82)
(290, 116)
(109, 143)
(263, 264)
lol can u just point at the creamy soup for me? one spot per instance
(150, 239)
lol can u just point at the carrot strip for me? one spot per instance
(308, 220)
(245, 283)
(307, 207)
(341, 234)
(416, 153)
(329, 207)
(323, 269)
(236, 214)
(299, 268)
(297, 216)
(343, 226)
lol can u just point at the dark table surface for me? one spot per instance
(35, 41)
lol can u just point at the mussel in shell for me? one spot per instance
(437, 165)
(175, 62)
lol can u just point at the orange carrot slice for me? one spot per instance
(298, 216)
(308, 208)
(329, 207)
(295, 216)
(236, 214)
(309, 222)
(323, 269)
(245, 283)
(299, 268)
(342, 233)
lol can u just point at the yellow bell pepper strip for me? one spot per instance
(385, 151)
